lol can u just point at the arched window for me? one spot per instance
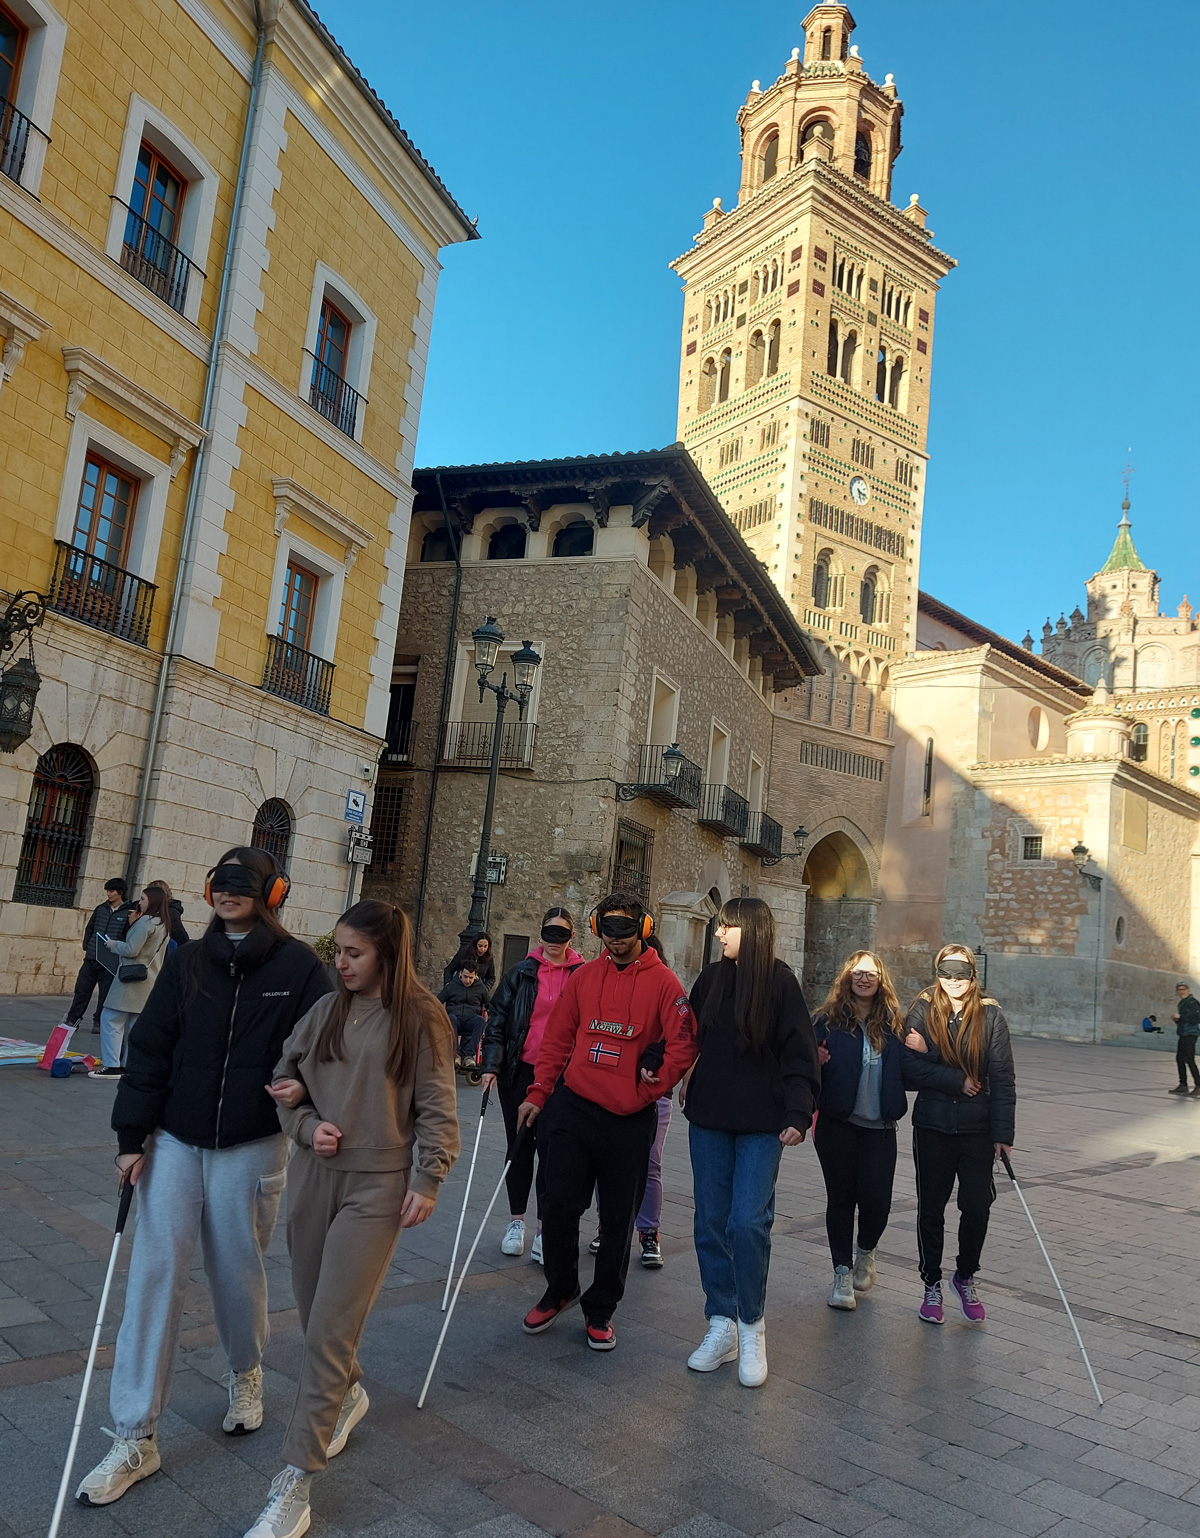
(1139, 743)
(862, 155)
(770, 160)
(773, 349)
(273, 830)
(820, 583)
(927, 780)
(849, 348)
(866, 599)
(708, 315)
(725, 305)
(436, 546)
(820, 128)
(858, 277)
(881, 375)
(723, 376)
(755, 359)
(507, 543)
(708, 384)
(55, 828)
(827, 43)
(894, 382)
(575, 539)
(831, 366)
(907, 312)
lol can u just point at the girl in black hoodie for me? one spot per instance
(199, 1137)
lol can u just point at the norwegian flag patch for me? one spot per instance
(604, 1056)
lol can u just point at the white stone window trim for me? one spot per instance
(465, 677)
(154, 477)
(715, 725)
(752, 759)
(145, 122)
(657, 677)
(89, 375)
(364, 323)
(291, 497)
(37, 86)
(331, 580)
(20, 327)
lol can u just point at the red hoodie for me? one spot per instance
(604, 1021)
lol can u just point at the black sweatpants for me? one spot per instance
(941, 1158)
(520, 1177)
(1185, 1058)
(91, 975)
(859, 1164)
(586, 1149)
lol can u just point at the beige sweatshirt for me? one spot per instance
(379, 1118)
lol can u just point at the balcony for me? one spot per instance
(763, 836)
(665, 776)
(154, 261)
(293, 674)
(723, 811)
(15, 129)
(468, 744)
(329, 394)
(99, 594)
(398, 747)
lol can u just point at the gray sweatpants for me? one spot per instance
(228, 1198)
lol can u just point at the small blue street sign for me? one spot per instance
(356, 805)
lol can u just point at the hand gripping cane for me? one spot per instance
(1078, 1338)
(122, 1213)
(437, 1350)
(466, 1197)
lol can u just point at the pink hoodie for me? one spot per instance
(552, 979)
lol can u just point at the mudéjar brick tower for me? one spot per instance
(807, 348)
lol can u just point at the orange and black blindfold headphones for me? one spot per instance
(243, 882)
(645, 925)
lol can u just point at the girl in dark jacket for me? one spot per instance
(476, 949)
(750, 1095)
(959, 1135)
(516, 1024)
(199, 1136)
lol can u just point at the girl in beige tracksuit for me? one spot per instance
(366, 1074)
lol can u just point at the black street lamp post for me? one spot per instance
(20, 683)
(488, 639)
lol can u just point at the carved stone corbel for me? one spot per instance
(601, 503)
(22, 326)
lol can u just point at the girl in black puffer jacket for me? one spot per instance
(959, 1135)
(199, 1136)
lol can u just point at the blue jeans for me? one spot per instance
(734, 1176)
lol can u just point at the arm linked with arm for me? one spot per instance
(678, 1022)
(796, 1050)
(1002, 1081)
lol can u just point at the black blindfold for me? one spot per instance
(556, 934)
(239, 880)
(954, 970)
(616, 926)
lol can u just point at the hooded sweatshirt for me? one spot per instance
(552, 979)
(604, 1021)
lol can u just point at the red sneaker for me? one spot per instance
(601, 1336)
(543, 1313)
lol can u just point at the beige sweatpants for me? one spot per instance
(342, 1227)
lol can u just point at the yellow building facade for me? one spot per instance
(218, 263)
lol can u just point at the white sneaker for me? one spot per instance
(535, 1250)
(287, 1513)
(752, 1358)
(129, 1459)
(719, 1346)
(245, 1402)
(841, 1294)
(354, 1407)
(513, 1242)
(864, 1270)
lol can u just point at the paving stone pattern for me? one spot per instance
(870, 1423)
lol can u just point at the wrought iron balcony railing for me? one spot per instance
(398, 747)
(665, 776)
(723, 810)
(337, 401)
(154, 261)
(763, 835)
(100, 594)
(468, 744)
(296, 675)
(15, 129)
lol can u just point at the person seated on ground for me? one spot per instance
(465, 997)
(1148, 1024)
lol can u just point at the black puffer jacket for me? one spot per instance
(112, 922)
(508, 1018)
(210, 1036)
(993, 1110)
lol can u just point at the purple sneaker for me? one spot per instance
(969, 1298)
(931, 1309)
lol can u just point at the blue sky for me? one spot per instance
(1053, 145)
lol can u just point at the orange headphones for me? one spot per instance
(645, 927)
(274, 893)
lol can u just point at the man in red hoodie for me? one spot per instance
(603, 1119)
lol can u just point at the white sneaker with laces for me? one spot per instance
(841, 1294)
(128, 1460)
(354, 1407)
(535, 1250)
(864, 1270)
(245, 1411)
(719, 1346)
(287, 1513)
(752, 1358)
(513, 1242)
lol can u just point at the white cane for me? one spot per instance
(466, 1196)
(1078, 1338)
(437, 1350)
(122, 1214)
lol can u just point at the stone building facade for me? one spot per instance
(220, 261)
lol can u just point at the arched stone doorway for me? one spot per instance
(840, 912)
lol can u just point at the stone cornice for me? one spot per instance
(90, 375)
(1058, 766)
(290, 497)
(919, 666)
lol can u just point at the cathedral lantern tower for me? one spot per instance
(807, 345)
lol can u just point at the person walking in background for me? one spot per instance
(199, 1137)
(108, 918)
(466, 999)
(958, 1135)
(512, 1037)
(139, 958)
(366, 1078)
(476, 949)
(1187, 1028)
(750, 1095)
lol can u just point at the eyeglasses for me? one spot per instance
(862, 977)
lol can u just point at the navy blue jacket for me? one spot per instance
(902, 1070)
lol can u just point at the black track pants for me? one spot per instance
(941, 1158)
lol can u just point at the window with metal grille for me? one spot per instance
(818, 433)
(273, 830)
(55, 828)
(386, 828)
(904, 471)
(1031, 847)
(104, 517)
(632, 858)
(863, 453)
(296, 611)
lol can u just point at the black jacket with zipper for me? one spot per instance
(112, 922)
(209, 1037)
(508, 1019)
(993, 1110)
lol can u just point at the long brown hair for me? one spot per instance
(969, 1051)
(755, 966)
(158, 895)
(884, 1014)
(414, 1010)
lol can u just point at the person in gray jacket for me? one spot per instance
(139, 956)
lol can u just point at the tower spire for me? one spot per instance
(1123, 556)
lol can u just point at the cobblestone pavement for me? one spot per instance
(870, 1423)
